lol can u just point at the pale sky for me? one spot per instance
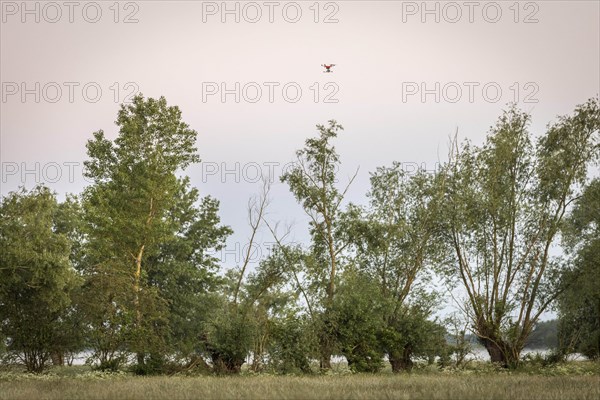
(542, 54)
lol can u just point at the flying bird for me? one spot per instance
(327, 67)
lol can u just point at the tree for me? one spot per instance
(393, 243)
(231, 330)
(72, 330)
(263, 304)
(36, 276)
(282, 335)
(292, 342)
(229, 335)
(579, 305)
(358, 310)
(504, 205)
(145, 233)
(185, 274)
(313, 182)
(294, 327)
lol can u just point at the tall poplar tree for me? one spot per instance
(145, 230)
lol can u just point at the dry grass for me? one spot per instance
(404, 386)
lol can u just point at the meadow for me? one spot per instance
(575, 380)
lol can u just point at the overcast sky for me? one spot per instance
(406, 76)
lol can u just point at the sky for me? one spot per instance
(248, 77)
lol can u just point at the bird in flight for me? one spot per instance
(327, 67)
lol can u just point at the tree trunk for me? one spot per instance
(400, 360)
(497, 354)
(223, 365)
(326, 341)
(141, 358)
(58, 358)
(198, 363)
(325, 360)
(136, 288)
(35, 361)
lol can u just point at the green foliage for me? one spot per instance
(36, 277)
(359, 320)
(184, 273)
(392, 241)
(147, 239)
(579, 305)
(505, 203)
(292, 343)
(285, 338)
(125, 269)
(313, 181)
(410, 334)
(228, 340)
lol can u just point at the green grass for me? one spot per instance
(579, 382)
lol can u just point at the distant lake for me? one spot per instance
(480, 354)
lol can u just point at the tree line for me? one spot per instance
(126, 272)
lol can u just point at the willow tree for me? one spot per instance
(230, 329)
(393, 244)
(313, 181)
(505, 202)
(144, 231)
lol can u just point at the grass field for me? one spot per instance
(327, 387)
(559, 384)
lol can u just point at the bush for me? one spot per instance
(292, 342)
